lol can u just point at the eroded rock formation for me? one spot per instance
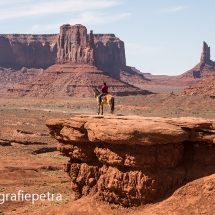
(106, 51)
(133, 160)
(74, 45)
(205, 87)
(202, 70)
(110, 53)
(205, 56)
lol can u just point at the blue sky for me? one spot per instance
(160, 36)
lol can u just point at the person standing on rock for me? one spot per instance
(104, 90)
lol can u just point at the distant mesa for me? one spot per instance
(72, 62)
(73, 80)
(26, 58)
(71, 45)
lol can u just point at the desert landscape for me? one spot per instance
(154, 155)
(31, 162)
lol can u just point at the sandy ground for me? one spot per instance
(29, 161)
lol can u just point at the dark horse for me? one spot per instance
(106, 99)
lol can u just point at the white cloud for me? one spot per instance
(21, 8)
(173, 9)
(87, 18)
(139, 49)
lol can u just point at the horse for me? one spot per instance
(106, 99)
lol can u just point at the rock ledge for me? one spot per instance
(132, 160)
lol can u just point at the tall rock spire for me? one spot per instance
(73, 46)
(205, 56)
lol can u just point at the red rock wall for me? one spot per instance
(105, 51)
(32, 51)
(72, 45)
(109, 53)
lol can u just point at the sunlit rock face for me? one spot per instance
(74, 45)
(106, 51)
(130, 160)
(110, 54)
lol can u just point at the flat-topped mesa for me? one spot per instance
(74, 45)
(205, 56)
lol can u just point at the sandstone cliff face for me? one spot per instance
(74, 73)
(74, 45)
(106, 51)
(133, 160)
(25, 50)
(109, 53)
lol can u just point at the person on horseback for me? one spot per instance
(104, 90)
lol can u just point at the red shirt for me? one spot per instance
(104, 89)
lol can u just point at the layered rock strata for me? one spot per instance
(106, 51)
(72, 45)
(134, 160)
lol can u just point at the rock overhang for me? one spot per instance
(132, 160)
(139, 130)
